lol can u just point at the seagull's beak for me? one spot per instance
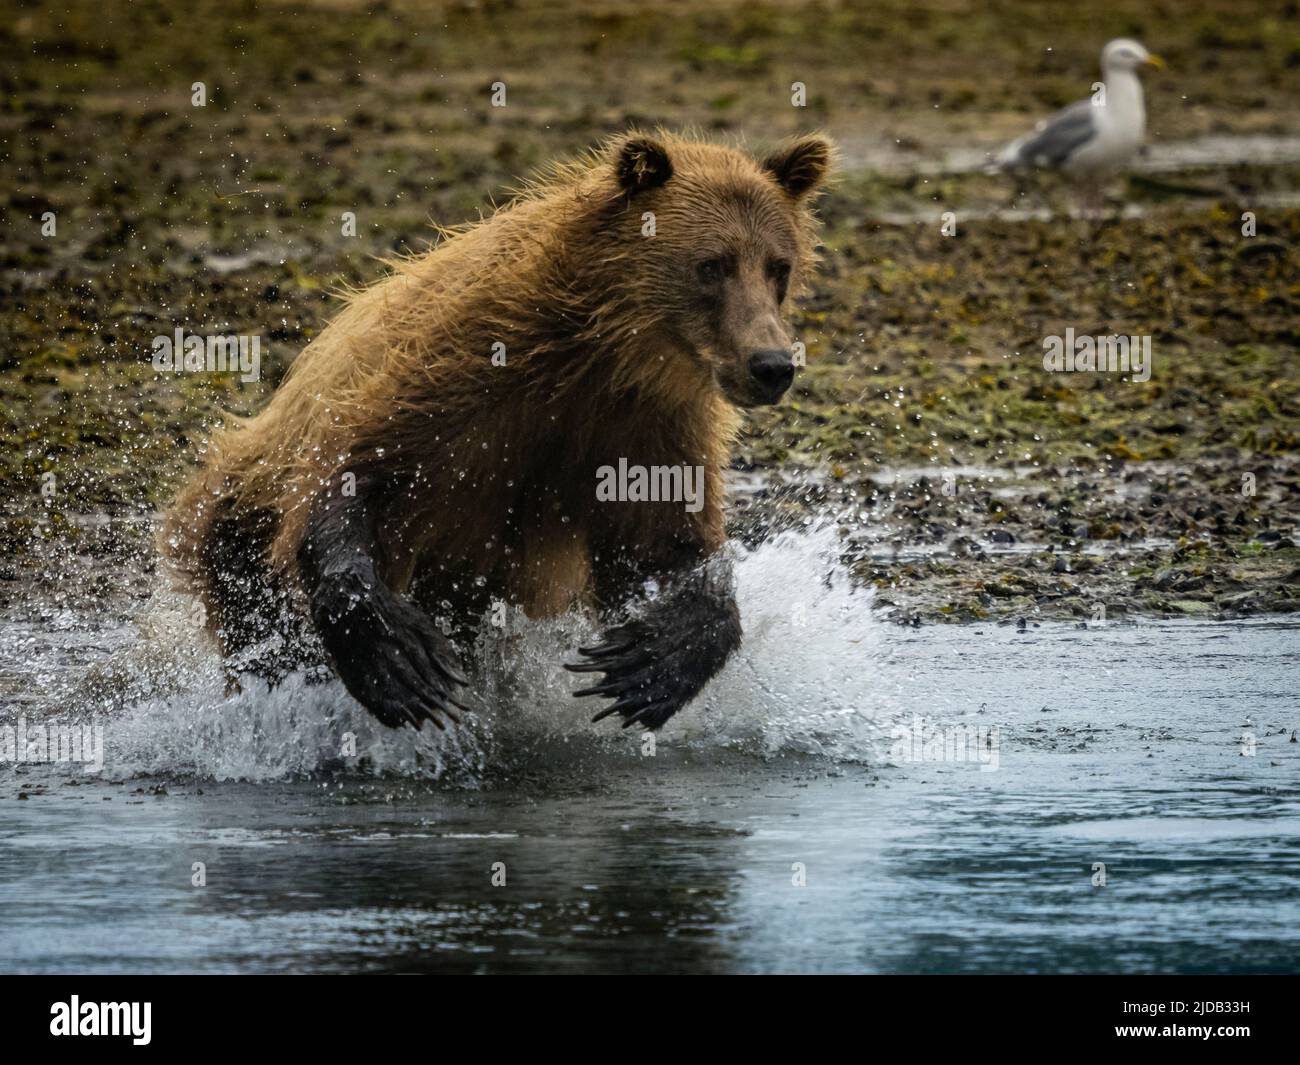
(1155, 61)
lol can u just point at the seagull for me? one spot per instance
(1096, 136)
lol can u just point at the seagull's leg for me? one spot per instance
(1082, 213)
(1122, 203)
(1106, 216)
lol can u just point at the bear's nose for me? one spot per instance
(773, 370)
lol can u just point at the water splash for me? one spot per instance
(802, 683)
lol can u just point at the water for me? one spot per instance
(887, 155)
(1120, 745)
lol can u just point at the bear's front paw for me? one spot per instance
(652, 671)
(389, 655)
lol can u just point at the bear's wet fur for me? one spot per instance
(437, 447)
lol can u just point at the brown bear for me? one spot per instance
(438, 448)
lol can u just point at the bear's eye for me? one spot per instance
(779, 271)
(711, 271)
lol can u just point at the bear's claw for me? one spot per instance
(654, 666)
(388, 653)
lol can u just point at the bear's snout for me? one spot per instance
(772, 373)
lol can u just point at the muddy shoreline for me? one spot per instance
(965, 482)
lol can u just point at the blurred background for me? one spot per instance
(925, 348)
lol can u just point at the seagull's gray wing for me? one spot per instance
(1054, 141)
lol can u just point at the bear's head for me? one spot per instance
(719, 242)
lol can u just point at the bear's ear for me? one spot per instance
(642, 164)
(800, 166)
